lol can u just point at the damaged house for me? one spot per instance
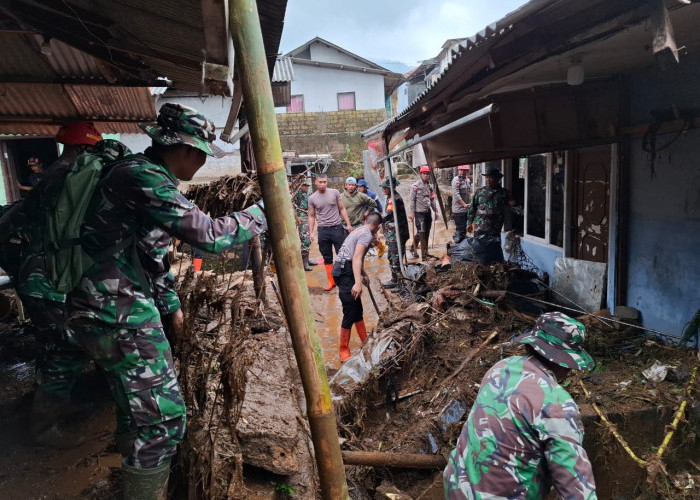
(591, 112)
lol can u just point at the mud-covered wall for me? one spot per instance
(664, 206)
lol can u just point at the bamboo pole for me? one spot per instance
(397, 460)
(257, 93)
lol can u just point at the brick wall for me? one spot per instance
(326, 132)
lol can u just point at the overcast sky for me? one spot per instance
(389, 30)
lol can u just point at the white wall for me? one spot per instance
(215, 109)
(320, 88)
(323, 53)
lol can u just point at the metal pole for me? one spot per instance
(257, 92)
(491, 108)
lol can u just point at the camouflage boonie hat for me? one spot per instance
(178, 124)
(385, 183)
(559, 339)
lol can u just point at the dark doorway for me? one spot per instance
(591, 211)
(19, 150)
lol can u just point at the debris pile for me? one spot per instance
(410, 387)
(241, 386)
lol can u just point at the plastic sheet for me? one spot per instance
(484, 250)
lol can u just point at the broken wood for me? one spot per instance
(402, 396)
(469, 357)
(395, 460)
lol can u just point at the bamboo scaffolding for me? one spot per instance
(252, 67)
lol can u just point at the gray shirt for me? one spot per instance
(461, 190)
(361, 235)
(326, 207)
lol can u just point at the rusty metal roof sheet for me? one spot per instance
(19, 130)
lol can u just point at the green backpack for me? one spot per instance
(65, 258)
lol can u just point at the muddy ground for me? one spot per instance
(247, 435)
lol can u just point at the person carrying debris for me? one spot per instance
(301, 206)
(524, 433)
(422, 200)
(358, 204)
(350, 276)
(59, 363)
(391, 234)
(326, 206)
(116, 308)
(488, 207)
(461, 196)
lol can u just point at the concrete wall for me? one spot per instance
(664, 222)
(309, 133)
(215, 109)
(320, 88)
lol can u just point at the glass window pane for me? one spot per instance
(536, 194)
(346, 101)
(556, 229)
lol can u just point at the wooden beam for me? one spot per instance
(394, 460)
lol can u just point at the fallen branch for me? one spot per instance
(469, 357)
(396, 460)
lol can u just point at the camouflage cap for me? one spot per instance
(385, 183)
(559, 339)
(178, 124)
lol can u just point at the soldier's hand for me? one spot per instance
(411, 217)
(173, 325)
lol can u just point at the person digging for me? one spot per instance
(349, 276)
(524, 434)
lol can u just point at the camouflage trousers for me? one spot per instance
(393, 248)
(304, 237)
(139, 368)
(60, 362)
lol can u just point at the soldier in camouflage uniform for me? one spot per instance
(524, 433)
(116, 308)
(301, 205)
(390, 232)
(488, 206)
(60, 362)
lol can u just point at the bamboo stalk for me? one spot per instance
(251, 62)
(679, 414)
(397, 460)
(612, 429)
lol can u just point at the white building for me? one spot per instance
(330, 78)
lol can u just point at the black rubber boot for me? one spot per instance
(145, 484)
(391, 284)
(305, 260)
(53, 421)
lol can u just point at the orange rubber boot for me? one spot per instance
(331, 281)
(197, 263)
(361, 330)
(344, 344)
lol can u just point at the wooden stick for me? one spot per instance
(469, 357)
(396, 460)
(374, 302)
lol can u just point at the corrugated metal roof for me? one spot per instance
(10, 130)
(55, 102)
(284, 70)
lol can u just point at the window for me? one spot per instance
(346, 101)
(544, 197)
(296, 105)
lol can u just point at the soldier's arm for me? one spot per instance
(567, 461)
(164, 294)
(157, 198)
(471, 212)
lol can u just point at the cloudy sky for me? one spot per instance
(405, 31)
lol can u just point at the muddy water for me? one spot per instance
(326, 305)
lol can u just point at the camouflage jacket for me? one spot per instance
(523, 436)
(139, 201)
(301, 205)
(487, 210)
(422, 198)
